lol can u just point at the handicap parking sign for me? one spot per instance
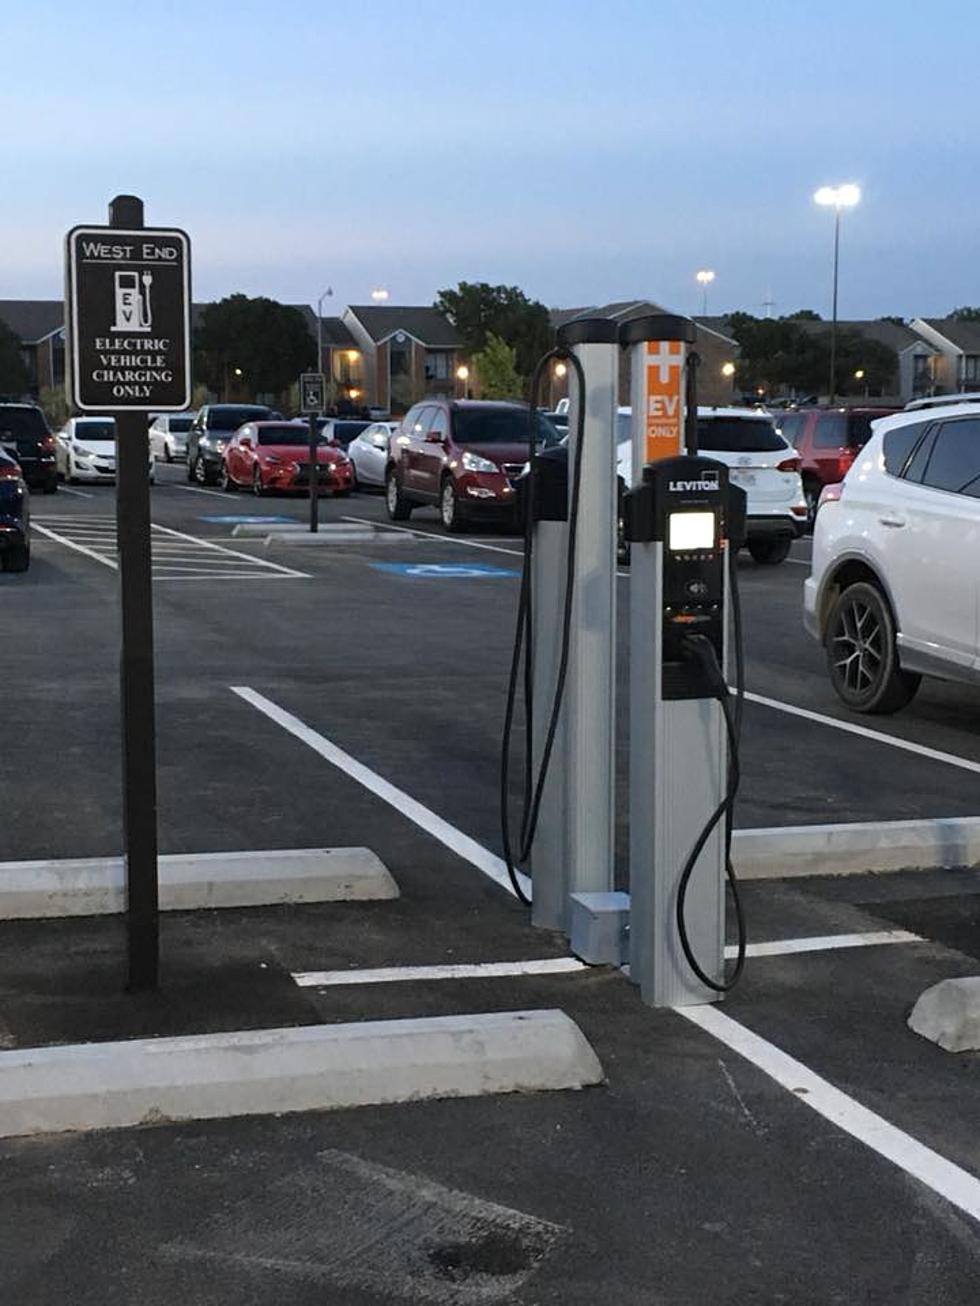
(444, 570)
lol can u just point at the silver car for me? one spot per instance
(369, 454)
(168, 437)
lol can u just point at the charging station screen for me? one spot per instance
(688, 531)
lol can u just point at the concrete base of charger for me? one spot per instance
(310, 1068)
(96, 886)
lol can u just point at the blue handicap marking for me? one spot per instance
(444, 570)
(244, 520)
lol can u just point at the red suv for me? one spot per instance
(827, 440)
(463, 457)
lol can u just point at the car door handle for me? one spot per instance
(892, 521)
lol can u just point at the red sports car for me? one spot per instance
(267, 456)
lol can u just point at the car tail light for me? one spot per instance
(844, 460)
(47, 444)
(788, 465)
(830, 494)
(9, 471)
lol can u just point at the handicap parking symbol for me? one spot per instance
(444, 570)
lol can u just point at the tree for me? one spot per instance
(803, 315)
(478, 310)
(496, 368)
(779, 354)
(55, 405)
(966, 314)
(14, 379)
(268, 342)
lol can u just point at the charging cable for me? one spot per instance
(700, 649)
(523, 655)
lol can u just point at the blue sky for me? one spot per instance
(585, 151)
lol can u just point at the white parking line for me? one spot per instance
(825, 943)
(70, 544)
(322, 979)
(956, 1185)
(448, 835)
(260, 564)
(79, 494)
(431, 535)
(863, 732)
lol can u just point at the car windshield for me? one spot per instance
(859, 429)
(297, 435)
(230, 419)
(502, 426)
(22, 422)
(178, 424)
(738, 435)
(95, 430)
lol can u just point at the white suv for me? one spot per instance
(894, 589)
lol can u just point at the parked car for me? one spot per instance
(26, 437)
(86, 450)
(168, 436)
(269, 456)
(893, 594)
(15, 516)
(368, 453)
(827, 440)
(211, 430)
(463, 456)
(341, 430)
(759, 459)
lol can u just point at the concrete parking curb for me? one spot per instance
(309, 1068)
(855, 847)
(323, 538)
(95, 886)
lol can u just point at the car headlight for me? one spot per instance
(83, 453)
(220, 444)
(474, 463)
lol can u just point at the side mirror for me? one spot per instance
(434, 437)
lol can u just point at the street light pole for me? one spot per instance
(836, 197)
(319, 329)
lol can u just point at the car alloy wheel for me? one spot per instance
(257, 487)
(200, 471)
(862, 654)
(225, 480)
(398, 508)
(452, 518)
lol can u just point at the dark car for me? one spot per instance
(210, 432)
(462, 456)
(25, 436)
(828, 441)
(15, 514)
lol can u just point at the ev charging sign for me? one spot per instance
(664, 417)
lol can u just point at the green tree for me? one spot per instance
(55, 406)
(496, 369)
(269, 342)
(478, 310)
(14, 379)
(966, 314)
(779, 354)
(803, 315)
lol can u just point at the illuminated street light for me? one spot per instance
(463, 375)
(837, 198)
(728, 369)
(704, 279)
(379, 295)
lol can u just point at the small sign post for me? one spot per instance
(311, 399)
(128, 328)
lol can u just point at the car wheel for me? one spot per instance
(203, 473)
(168, 453)
(769, 553)
(18, 558)
(452, 518)
(811, 493)
(257, 487)
(191, 469)
(225, 480)
(862, 655)
(399, 509)
(51, 485)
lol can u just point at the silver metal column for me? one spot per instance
(590, 689)
(677, 748)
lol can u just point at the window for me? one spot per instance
(898, 446)
(792, 426)
(489, 424)
(859, 429)
(970, 371)
(421, 423)
(830, 431)
(954, 463)
(738, 435)
(398, 357)
(437, 365)
(440, 424)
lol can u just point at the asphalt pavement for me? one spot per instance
(691, 1176)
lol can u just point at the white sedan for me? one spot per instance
(369, 454)
(85, 450)
(168, 436)
(893, 594)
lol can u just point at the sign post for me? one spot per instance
(311, 396)
(128, 326)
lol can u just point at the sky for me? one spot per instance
(585, 151)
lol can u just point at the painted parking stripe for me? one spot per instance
(71, 544)
(439, 537)
(322, 979)
(941, 1175)
(863, 732)
(825, 943)
(444, 570)
(448, 835)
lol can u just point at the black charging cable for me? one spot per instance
(700, 649)
(523, 655)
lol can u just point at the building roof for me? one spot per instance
(964, 335)
(896, 335)
(423, 322)
(336, 333)
(32, 319)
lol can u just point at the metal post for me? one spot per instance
(314, 477)
(590, 688)
(677, 753)
(833, 321)
(136, 673)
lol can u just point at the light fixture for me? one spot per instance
(463, 372)
(354, 392)
(859, 374)
(352, 355)
(704, 279)
(561, 370)
(728, 369)
(838, 197)
(379, 295)
(238, 371)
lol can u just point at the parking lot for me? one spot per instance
(353, 694)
